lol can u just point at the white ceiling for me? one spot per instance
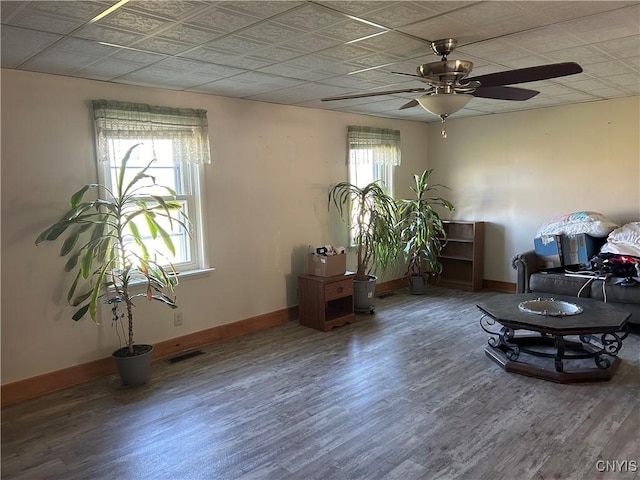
(296, 52)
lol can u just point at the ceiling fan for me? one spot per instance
(449, 87)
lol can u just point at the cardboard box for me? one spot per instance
(549, 251)
(580, 248)
(327, 265)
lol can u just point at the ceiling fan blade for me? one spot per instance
(413, 75)
(373, 94)
(530, 74)
(412, 103)
(505, 93)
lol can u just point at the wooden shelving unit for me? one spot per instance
(325, 302)
(462, 257)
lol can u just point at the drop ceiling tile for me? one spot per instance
(351, 84)
(376, 60)
(398, 45)
(309, 18)
(607, 69)
(247, 63)
(439, 27)
(576, 97)
(378, 104)
(583, 84)
(8, 9)
(267, 79)
(136, 56)
(160, 45)
(627, 47)
(401, 13)
(57, 62)
(560, 11)
(223, 20)
(76, 10)
(486, 13)
(545, 39)
(583, 55)
(531, 61)
(133, 21)
(357, 8)
(609, 25)
(610, 92)
(208, 55)
(275, 54)
(153, 72)
(44, 22)
(311, 43)
(18, 44)
(286, 70)
(107, 69)
(345, 52)
(189, 35)
(633, 63)
(350, 30)
(312, 62)
(172, 9)
(270, 32)
(262, 9)
(84, 48)
(294, 95)
(234, 88)
(101, 33)
(237, 45)
(495, 50)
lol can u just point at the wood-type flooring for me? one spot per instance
(405, 393)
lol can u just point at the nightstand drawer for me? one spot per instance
(339, 289)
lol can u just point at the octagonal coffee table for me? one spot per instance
(568, 338)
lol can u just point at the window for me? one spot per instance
(373, 152)
(177, 141)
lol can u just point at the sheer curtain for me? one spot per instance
(372, 145)
(186, 127)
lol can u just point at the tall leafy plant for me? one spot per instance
(108, 252)
(374, 225)
(421, 228)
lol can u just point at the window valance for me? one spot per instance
(187, 127)
(372, 145)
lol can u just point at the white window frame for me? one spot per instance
(194, 199)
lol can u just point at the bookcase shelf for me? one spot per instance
(462, 257)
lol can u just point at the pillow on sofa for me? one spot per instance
(624, 240)
(591, 223)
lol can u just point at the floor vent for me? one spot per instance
(184, 356)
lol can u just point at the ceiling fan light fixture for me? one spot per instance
(444, 104)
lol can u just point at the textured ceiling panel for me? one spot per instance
(297, 52)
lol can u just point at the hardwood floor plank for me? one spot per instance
(406, 393)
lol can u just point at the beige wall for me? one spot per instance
(265, 201)
(519, 170)
(266, 198)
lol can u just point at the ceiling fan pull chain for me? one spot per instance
(444, 132)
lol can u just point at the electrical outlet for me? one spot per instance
(177, 319)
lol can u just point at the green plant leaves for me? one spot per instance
(107, 250)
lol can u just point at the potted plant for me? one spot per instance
(422, 232)
(374, 233)
(112, 260)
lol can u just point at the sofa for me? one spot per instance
(530, 279)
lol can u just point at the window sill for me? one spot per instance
(137, 283)
(189, 274)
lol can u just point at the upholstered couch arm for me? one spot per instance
(525, 264)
